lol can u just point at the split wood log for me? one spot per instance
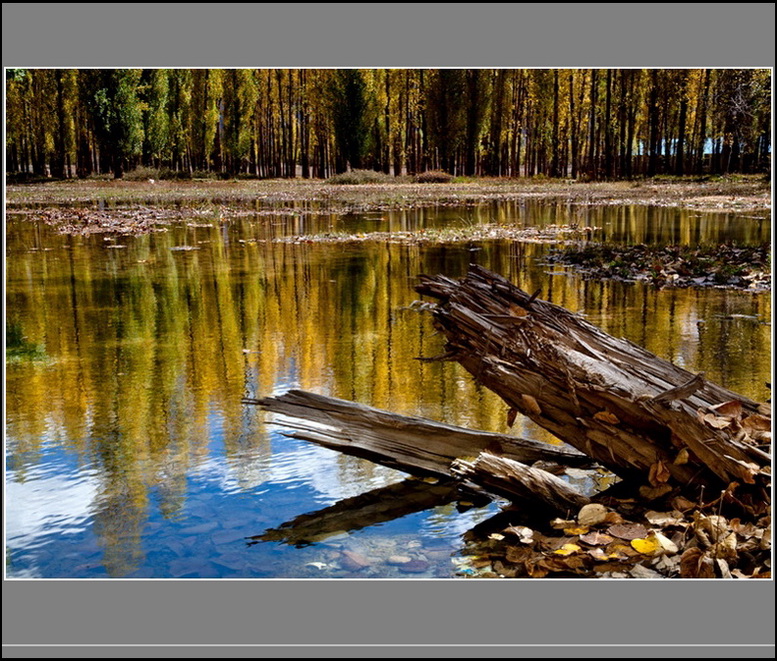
(633, 412)
(418, 446)
(424, 447)
(518, 482)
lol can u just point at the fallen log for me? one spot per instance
(418, 446)
(635, 413)
(424, 447)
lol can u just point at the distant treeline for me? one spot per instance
(590, 123)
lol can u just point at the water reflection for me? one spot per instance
(129, 452)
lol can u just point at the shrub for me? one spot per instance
(360, 177)
(433, 177)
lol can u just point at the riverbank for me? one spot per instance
(741, 194)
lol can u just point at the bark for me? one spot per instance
(635, 413)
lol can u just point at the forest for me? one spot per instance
(584, 124)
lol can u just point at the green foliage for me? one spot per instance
(349, 106)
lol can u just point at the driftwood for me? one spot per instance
(635, 413)
(424, 447)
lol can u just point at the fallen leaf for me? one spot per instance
(531, 405)
(664, 519)
(596, 538)
(496, 536)
(668, 547)
(567, 549)
(757, 422)
(659, 474)
(606, 416)
(525, 535)
(732, 409)
(628, 531)
(576, 530)
(715, 422)
(511, 415)
(694, 563)
(646, 546)
(682, 457)
(592, 514)
(654, 493)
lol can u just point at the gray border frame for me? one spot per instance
(304, 617)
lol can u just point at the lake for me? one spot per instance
(130, 455)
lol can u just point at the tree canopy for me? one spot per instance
(596, 124)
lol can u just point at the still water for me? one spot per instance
(129, 453)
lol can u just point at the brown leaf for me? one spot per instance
(517, 310)
(732, 409)
(628, 531)
(757, 422)
(682, 457)
(652, 493)
(531, 405)
(694, 563)
(606, 416)
(518, 554)
(711, 420)
(596, 538)
(659, 474)
(511, 415)
(592, 514)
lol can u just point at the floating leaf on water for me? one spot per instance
(628, 531)
(592, 514)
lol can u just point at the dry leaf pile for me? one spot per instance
(599, 542)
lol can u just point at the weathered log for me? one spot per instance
(418, 446)
(518, 482)
(633, 412)
(424, 447)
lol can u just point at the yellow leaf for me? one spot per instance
(647, 546)
(567, 549)
(577, 530)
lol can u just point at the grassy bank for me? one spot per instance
(740, 194)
